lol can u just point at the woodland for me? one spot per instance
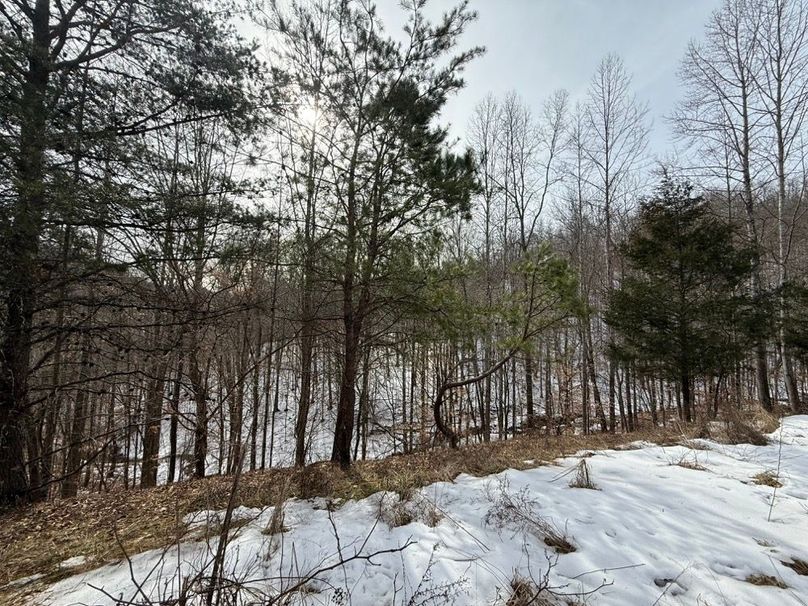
(219, 255)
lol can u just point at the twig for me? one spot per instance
(779, 460)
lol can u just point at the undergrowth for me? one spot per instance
(37, 538)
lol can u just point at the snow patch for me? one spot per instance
(656, 532)
(73, 562)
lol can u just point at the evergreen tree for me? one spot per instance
(80, 85)
(678, 313)
(794, 318)
(392, 175)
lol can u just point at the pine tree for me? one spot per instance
(80, 84)
(678, 313)
(392, 176)
(794, 327)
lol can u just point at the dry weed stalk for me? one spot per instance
(582, 478)
(519, 513)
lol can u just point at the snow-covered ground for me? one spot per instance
(280, 429)
(672, 525)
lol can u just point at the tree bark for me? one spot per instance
(154, 420)
(21, 246)
(199, 387)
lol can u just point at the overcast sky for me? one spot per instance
(537, 46)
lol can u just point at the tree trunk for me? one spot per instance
(70, 483)
(256, 402)
(687, 396)
(590, 364)
(199, 387)
(22, 246)
(154, 421)
(341, 451)
(172, 435)
(304, 403)
(529, 388)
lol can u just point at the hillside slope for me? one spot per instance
(683, 524)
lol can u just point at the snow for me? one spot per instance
(666, 525)
(73, 562)
(280, 434)
(22, 581)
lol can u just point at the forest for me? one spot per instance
(240, 235)
(218, 254)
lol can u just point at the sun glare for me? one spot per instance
(307, 114)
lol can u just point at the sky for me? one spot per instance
(537, 46)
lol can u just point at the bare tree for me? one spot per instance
(484, 137)
(304, 39)
(529, 151)
(719, 110)
(780, 75)
(617, 138)
(579, 195)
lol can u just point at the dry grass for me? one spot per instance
(582, 477)
(798, 566)
(745, 425)
(399, 510)
(521, 513)
(559, 541)
(212, 529)
(688, 460)
(524, 592)
(431, 515)
(394, 511)
(746, 428)
(767, 478)
(739, 432)
(765, 580)
(276, 522)
(691, 465)
(36, 538)
(694, 445)
(765, 421)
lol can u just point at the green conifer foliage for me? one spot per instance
(681, 313)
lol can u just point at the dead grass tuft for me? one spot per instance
(318, 479)
(702, 430)
(765, 421)
(695, 445)
(582, 477)
(396, 510)
(276, 524)
(691, 465)
(212, 529)
(529, 592)
(630, 446)
(519, 512)
(558, 540)
(739, 432)
(742, 428)
(767, 478)
(765, 580)
(744, 423)
(523, 592)
(798, 566)
(393, 511)
(688, 460)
